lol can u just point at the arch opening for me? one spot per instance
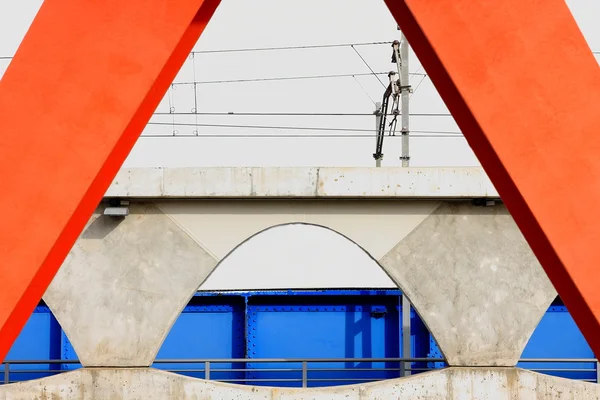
(297, 255)
(305, 310)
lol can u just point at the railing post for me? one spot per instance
(406, 332)
(207, 370)
(597, 371)
(402, 369)
(304, 374)
(6, 373)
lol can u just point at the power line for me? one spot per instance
(368, 66)
(316, 46)
(294, 136)
(365, 92)
(417, 87)
(313, 46)
(303, 128)
(284, 78)
(295, 114)
(299, 47)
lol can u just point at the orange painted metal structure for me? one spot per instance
(517, 75)
(74, 100)
(524, 87)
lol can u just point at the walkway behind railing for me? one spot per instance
(309, 372)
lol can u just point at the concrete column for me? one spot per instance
(124, 284)
(475, 282)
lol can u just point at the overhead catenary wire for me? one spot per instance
(417, 87)
(368, 66)
(365, 92)
(283, 78)
(281, 136)
(303, 128)
(298, 47)
(418, 84)
(274, 48)
(295, 114)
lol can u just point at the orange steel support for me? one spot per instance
(83, 84)
(524, 87)
(516, 74)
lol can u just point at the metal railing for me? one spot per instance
(563, 370)
(300, 372)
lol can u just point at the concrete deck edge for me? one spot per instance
(301, 182)
(450, 383)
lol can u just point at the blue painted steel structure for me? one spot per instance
(40, 339)
(324, 325)
(296, 324)
(557, 336)
(209, 327)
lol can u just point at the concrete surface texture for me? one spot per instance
(445, 384)
(467, 270)
(124, 284)
(308, 182)
(475, 282)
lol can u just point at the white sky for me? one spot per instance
(284, 23)
(313, 257)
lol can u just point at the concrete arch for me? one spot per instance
(472, 278)
(220, 225)
(126, 281)
(467, 271)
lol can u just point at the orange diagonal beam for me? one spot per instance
(524, 87)
(83, 84)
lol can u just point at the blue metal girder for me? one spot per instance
(327, 326)
(298, 324)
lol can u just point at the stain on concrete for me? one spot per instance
(124, 284)
(474, 281)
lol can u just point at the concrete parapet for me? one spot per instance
(474, 281)
(448, 384)
(302, 182)
(124, 284)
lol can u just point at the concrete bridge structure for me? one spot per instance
(441, 235)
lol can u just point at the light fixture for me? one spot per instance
(484, 202)
(117, 208)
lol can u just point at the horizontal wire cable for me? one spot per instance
(299, 47)
(294, 136)
(295, 114)
(303, 128)
(316, 46)
(250, 49)
(285, 78)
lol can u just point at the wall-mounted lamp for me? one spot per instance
(482, 202)
(117, 208)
